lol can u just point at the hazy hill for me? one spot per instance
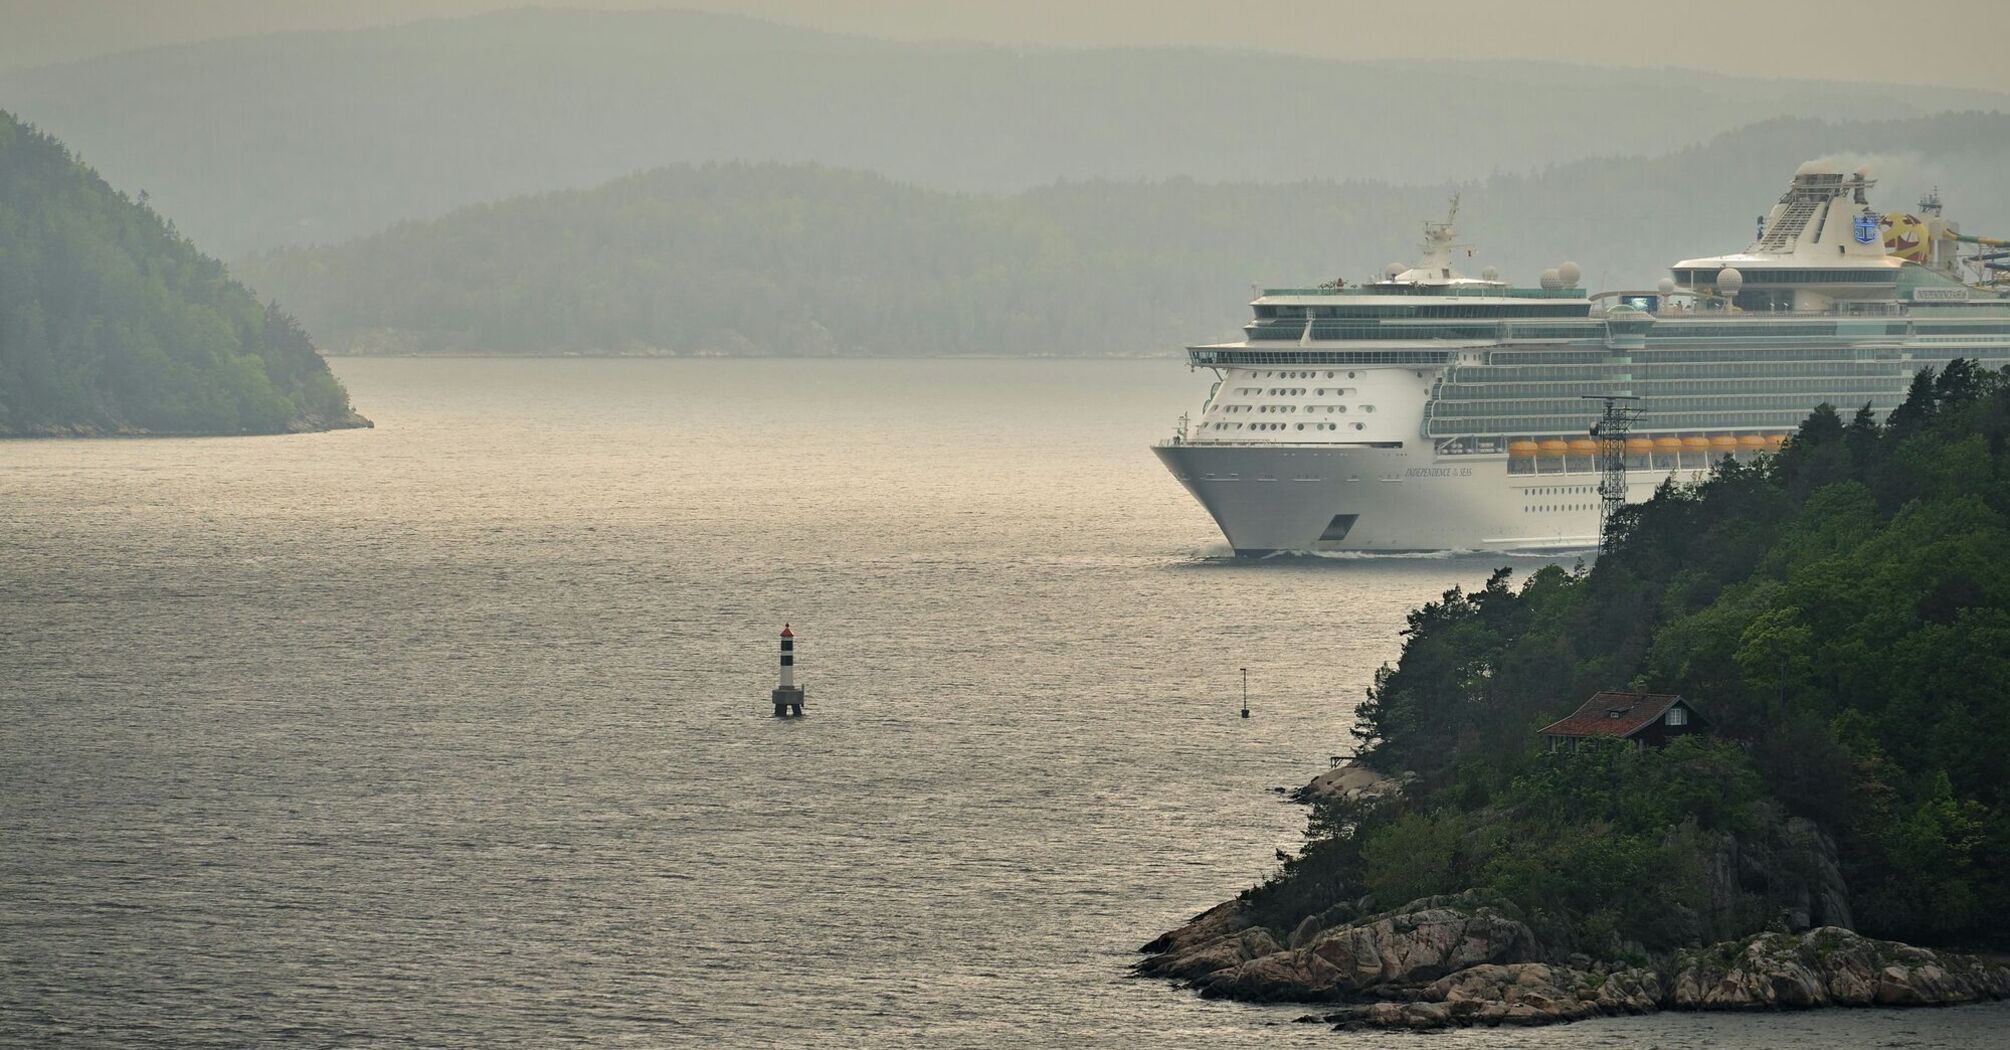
(743, 258)
(110, 321)
(306, 137)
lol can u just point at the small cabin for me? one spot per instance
(1647, 719)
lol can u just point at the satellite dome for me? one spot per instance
(1729, 280)
(1551, 279)
(1490, 274)
(1666, 286)
(1393, 269)
(1571, 273)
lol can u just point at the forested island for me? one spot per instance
(111, 322)
(1840, 614)
(735, 259)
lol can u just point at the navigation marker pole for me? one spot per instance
(1245, 692)
(1610, 430)
(788, 696)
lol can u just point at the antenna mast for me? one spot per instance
(1610, 430)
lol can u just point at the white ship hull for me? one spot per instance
(1281, 498)
(1429, 411)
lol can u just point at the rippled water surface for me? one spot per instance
(455, 732)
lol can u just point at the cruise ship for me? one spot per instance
(1429, 410)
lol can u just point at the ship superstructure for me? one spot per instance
(1429, 410)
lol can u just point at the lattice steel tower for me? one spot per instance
(1611, 430)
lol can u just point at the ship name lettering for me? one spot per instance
(1439, 472)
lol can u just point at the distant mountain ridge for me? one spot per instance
(321, 136)
(774, 259)
(112, 322)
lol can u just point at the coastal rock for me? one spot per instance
(1829, 966)
(1535, 993)
(1314, 925)
(1222, 919)
(1513, 993)
(1558, 993)
(1454, 961)
(1828, 894)
(1351, 781)
(1207, 957)
(1421, 942)
(1288, 976)
(1788, 868)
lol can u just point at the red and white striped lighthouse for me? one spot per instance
(788, 697)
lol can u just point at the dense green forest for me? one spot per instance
(111, 321)
(313, 137)
(762, 258)
(1841, 611)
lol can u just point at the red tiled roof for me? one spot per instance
(1613, 714)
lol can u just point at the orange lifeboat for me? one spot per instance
(1521, 449)
(1775, 440)
(1639, 446)
(1553, 446)
(1583, 447)
(1667, 444)
(1752, 443)
(1723, 444)
(1695, 443)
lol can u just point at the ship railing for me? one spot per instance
(1839, 310)
(1434, 291)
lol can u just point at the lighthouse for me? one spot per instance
(788, 697)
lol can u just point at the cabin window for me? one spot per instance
(1678, 716)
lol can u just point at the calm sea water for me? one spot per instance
(455, 732)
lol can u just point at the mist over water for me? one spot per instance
(455, 732)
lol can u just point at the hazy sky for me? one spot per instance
(1955, 42)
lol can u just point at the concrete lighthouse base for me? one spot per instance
(788, 701)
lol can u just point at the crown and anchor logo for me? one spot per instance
(1866, 228)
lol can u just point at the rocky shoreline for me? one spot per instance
(301, 425)
(1458, 961)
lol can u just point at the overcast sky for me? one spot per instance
(1953, 42)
